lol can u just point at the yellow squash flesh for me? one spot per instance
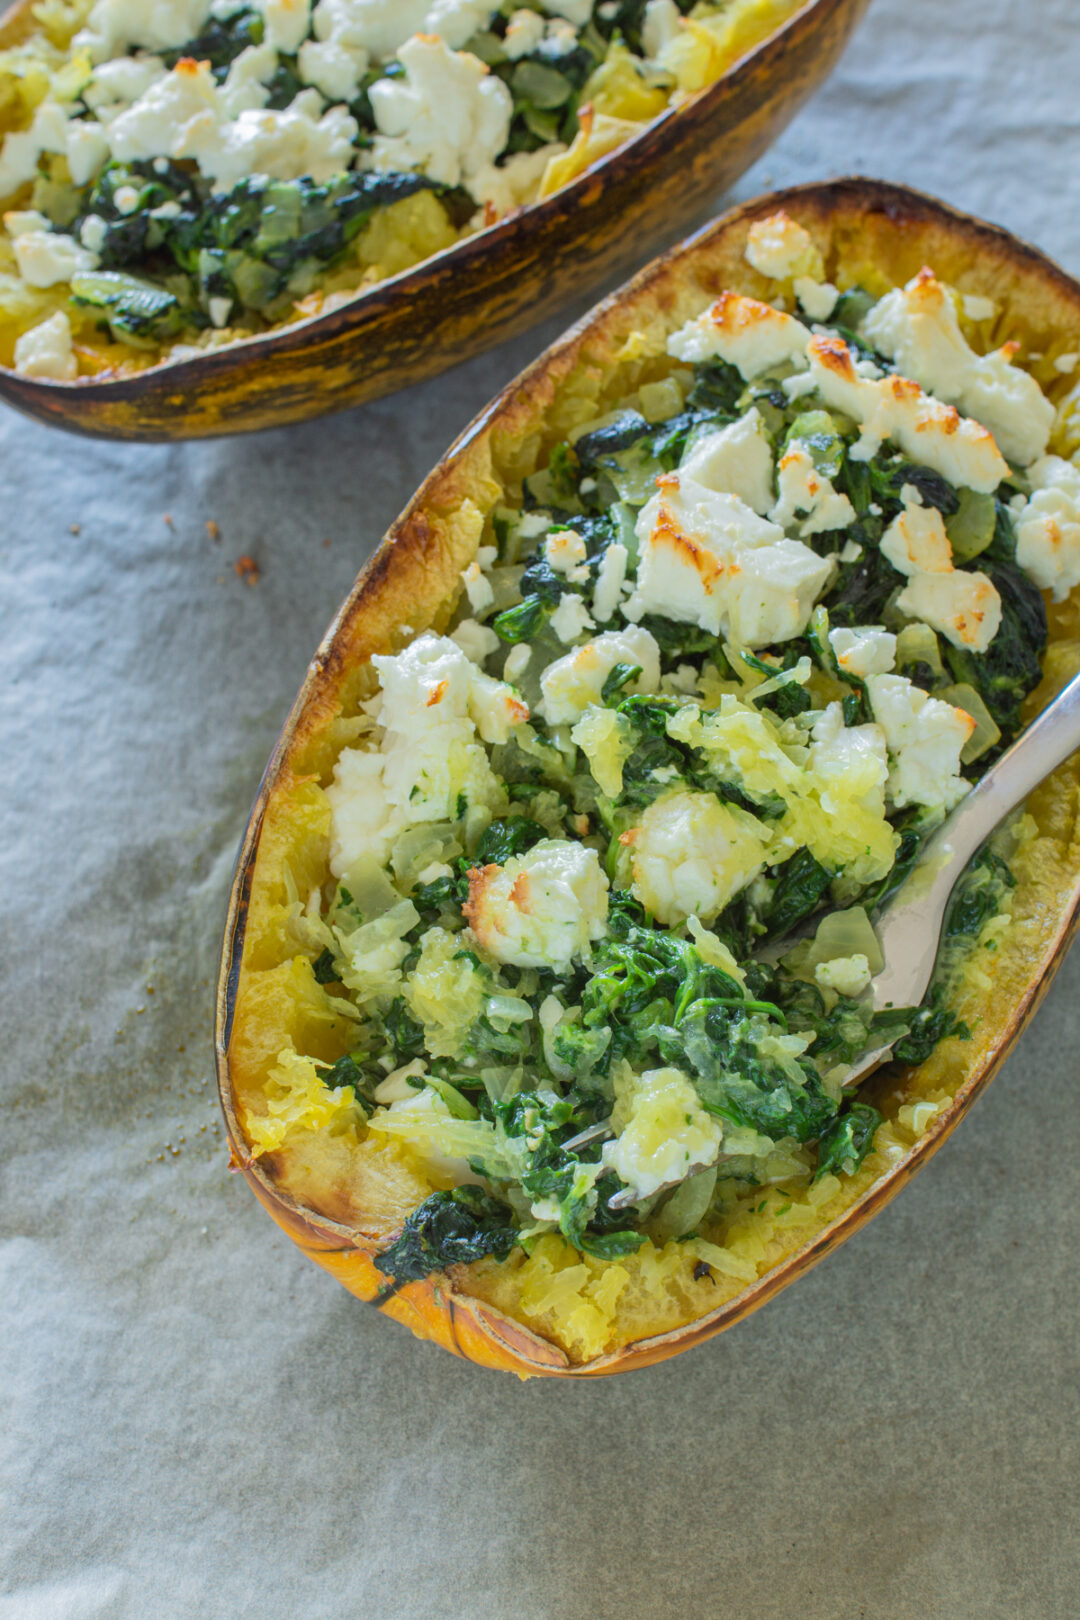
(555, 1312)
(485, 288)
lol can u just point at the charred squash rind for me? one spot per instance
(878, 231)
(487, 288)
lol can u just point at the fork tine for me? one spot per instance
(595, 1133)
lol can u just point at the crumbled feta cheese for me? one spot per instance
(447, 114)
(663, 1132)
(184, 115)
(126, 199)
(219, 311)
(896, 408)
(707, 559)
(691, 855)
(661, 24)
(864, 650)
(512, 182)
(1048, 527)
(571, 683)
(542, 909)
(45, 257)
(749, 335)
(917, 327)
(115, 26)
(781, 248)
(362, 824)
(736, 460)
(355, 32)
(45, 351)
(86, 149)
(174, 116)
(92, 233)
(517, 661)
(978, 309)
(1066, 363)
(560, 37)
(477, 588)
(476, 641)
(434, 701)
(850, 552)
(285, 145)
(571, 618)
(286, 23)
(963, 605)
(807, 500)
(247, 83)
(847, 975)
(564, 552)
(524, 31)
(609, 581)
(120, 82)
(925, 736)
(818, 298)
(916, 543)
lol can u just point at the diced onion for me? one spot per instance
(686, 1208)
(917, 644)
(986, 733)
(845, 933)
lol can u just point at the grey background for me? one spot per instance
(194, 1420)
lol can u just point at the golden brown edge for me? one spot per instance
(869, 207)
(525, 223)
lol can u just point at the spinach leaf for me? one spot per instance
(1011, 667)
(449, 1229)
(845, 1142)
(798, 890)
(737, 1081)
(502, 839)
(221, 41)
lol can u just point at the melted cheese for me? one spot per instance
(543, 908)
(707, 559)
(896, 408)
(917, 327)
(1048, 527)
(748, 334)
(735, 460)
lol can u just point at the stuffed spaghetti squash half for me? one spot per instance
(364, 191)
(689, 644)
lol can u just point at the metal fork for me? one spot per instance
(909, 925)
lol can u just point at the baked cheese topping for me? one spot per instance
(175, 174)
(741, 646)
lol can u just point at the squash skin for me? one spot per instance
(888, 227)
(480, 292)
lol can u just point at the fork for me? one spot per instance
(909, 924)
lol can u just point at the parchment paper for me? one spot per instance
(195, 1422)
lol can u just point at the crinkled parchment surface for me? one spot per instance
(195, 1422)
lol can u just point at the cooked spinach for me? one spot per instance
(1011, 667)
(503, 839)
(221, 41)
(845, 1142)
(449, 1229)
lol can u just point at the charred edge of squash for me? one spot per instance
(852, 204)
(793, 59)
